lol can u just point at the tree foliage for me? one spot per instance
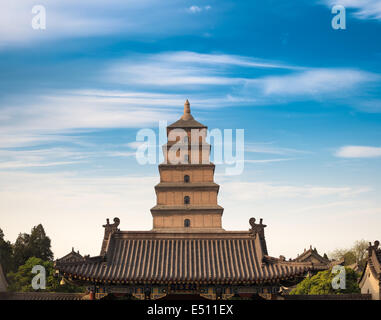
(321, 283)
(37, 244)
(356, 254)
(21, 281)
(6, 254)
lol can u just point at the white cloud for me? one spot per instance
(255, 191)
(219, 59)
(358, 152)
(17, 165)
(268, 148)
(47, 118)
(29, 120)
(192, 70)
(364, 9)
(268, 160)
(197, 9)
(315, 82)
(184, 69)
(88, 18)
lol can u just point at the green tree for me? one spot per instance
(37, 244)
(21, 251)
(21, 281)
(6, 255)
(360, 250)
(356, 254)
(40, 244)
(321, 283)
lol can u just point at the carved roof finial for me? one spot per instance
(187, 112)
(113, 226)
(257, 228)
(373, 248)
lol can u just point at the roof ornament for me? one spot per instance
(111, 228)
(373, 247)
(257, 228)
(187, 113)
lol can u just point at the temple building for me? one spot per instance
(370, 280)
(313, 256)
(187, 251)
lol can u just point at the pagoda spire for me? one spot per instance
(187, 113)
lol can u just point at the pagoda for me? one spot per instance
(187, 252)
(187, 193)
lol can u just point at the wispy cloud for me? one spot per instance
(47, 118)
(267, 190)
(270, 148)
(268, 160)
(197, 9)
(18, 165)
(185, 68)
(316, 82)
(364, 9)
(89, 18)
(192, 70)
(358, 152)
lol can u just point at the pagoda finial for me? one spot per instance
(187, 113)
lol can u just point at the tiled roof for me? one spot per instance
(374, 260)
(187, 185)
(187, 124)
(312, 253)
(41, 296)
(189, 207)
(149, 257)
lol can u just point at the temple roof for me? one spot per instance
(187, 120)
(310, 254)
(373, 261)
(238, 257)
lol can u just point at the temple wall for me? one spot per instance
(198, 220)
(370, 285)
(177, 197)
(194, 156)
(195, 174)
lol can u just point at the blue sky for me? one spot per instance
(73, 96)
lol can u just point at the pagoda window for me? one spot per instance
(186, 200)
(186, 178)
(186, 223)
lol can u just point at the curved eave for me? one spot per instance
(187, 208)
(171, 186)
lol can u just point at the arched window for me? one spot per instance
(186, 178)
(186, 223)
(186, 200)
